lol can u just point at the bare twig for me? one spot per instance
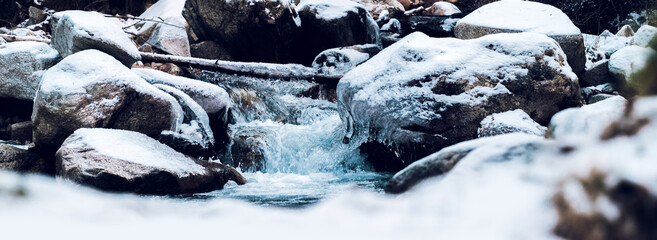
(145, 20)
(13, 38)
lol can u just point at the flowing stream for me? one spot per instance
(288, 144)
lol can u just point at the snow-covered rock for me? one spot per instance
(212, 98)
(125, 161)
(509, 122)
(252, 31)
(588, 121)
(194, 136)
(422, 94)
(501, 148)
(338, 61)
(442, 9)
(625, 31)
(644, 35)
(75, 31)
(91, 89)
(627, 61)
(21, 159)
(526, 16)
(333, 23)
(21, 67)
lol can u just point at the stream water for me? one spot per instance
(288, 144)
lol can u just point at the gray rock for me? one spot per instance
(526, 16)
(333, 23)
(509, 122)
(21, 131)
(75, 31)
(625, 31)
(90, 89)
(171, 37)
(502, 148)
(125, 161)
(21, 67)
(422, 94)
(598, 74)
(21, 159)
(194, 136)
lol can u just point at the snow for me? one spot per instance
(628, 60)
(330, 9)
(211, 97)
(605, 44)
(75, 25)
(91, 67)
(644, 35)
(516, 121)
(133, 147)
(418, 55)
(588, 121)
(523, 16)
(446, 8)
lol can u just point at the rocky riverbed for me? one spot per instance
(327, 118)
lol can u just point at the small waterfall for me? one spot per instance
(288, 143)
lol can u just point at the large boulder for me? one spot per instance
(21, 159)
(75, 31)
(125, 161)
(507, 147)
(253, 31)
(21, 67)
(333, 23)
(90, 89)
(526, 16)
(422, 94)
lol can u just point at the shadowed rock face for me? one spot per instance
(124, 161)
(322, 28)
(423, 94)
(92, 89)
(254, 31)
(24, 161)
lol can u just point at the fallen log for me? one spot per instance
(13, 38)
(261, 70)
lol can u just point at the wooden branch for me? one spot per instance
(262, 70)
(13, 38)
